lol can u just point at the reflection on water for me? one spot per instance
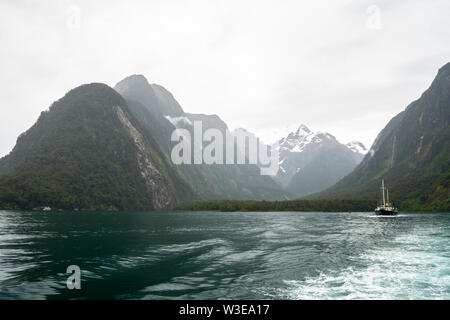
(193, 255)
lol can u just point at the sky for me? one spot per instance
(343, 67)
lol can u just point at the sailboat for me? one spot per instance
(386, 208)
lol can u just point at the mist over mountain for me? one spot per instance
(412, 154)
(155, 97)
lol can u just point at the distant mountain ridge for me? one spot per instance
(155, 97)
(312, 161)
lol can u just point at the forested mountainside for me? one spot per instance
(412, 155)
(89, 152)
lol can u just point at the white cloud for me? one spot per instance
(262, 65)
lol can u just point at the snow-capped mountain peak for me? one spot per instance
(304, 149)
(303, 130)
(297, 141)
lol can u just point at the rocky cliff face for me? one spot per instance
(155, 182)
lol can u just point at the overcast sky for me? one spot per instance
(344, 67)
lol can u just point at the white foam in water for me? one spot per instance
(417, 268)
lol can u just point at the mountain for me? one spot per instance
(155, 97)
(412, 154)
(313, 161)
(158, 111)
(89, 152)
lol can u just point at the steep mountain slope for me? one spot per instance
(89, 152)
(412, 154)
(161, 114)
(311, 162)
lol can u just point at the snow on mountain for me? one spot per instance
(357, 147)
(299, 140)
(302, 147)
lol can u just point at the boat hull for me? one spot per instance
(383, 212)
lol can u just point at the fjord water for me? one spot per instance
(212, 255)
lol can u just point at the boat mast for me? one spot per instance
(382, 191)
(387, 194)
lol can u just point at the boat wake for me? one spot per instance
(413, 268)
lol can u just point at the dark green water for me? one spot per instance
(194, 255)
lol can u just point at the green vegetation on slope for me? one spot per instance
(79, 155)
